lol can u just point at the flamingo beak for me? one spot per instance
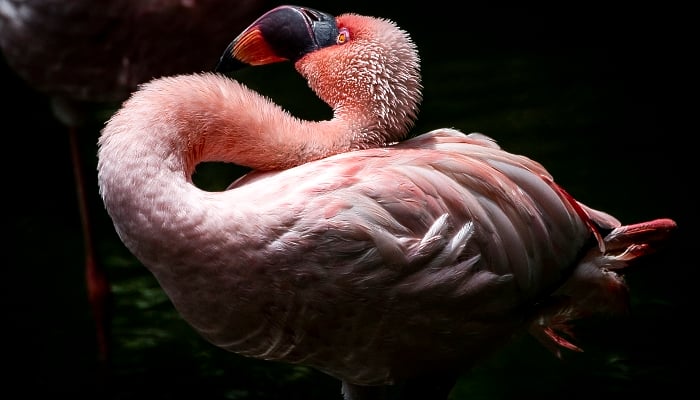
(285, 33)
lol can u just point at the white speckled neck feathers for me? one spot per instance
(372, 82)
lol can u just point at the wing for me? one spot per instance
(442, 233)
(435, 201)
(434, 240)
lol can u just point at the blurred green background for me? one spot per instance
(596, 95)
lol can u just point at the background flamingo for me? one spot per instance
(516, 68)
(87, 59)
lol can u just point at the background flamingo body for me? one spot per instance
(87, 59)
(395, 264)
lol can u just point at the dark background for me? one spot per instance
(601, 97)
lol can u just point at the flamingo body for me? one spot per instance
(81, 54)
(375, 262)
(94, 54)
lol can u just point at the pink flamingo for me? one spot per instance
(85, 57)
(390, 266)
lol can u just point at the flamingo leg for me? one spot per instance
(98, 289)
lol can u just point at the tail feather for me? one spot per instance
(594, 287)
(647, 236)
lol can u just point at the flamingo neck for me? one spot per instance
(372, 83)
(209, 117)
(373, 108)
(149, 149)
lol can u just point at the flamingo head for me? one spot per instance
(366, 69)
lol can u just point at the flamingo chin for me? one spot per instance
(386, 265)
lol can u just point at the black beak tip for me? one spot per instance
(229, 63)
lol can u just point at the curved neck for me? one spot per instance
(190, 119)
(372, 82)
(376, 109)
(149, 149)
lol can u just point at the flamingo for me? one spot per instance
(98, 56)
(391, 264)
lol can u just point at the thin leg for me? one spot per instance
(98, 289)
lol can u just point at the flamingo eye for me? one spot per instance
(343, 36)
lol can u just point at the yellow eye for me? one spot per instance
(343, 36)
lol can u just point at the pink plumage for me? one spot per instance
(379, 263)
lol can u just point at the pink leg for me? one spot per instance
(98, 289)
